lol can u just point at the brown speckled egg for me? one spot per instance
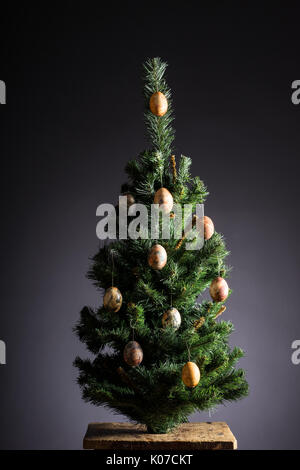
(190, 374)
(112, 299)
(158, 104)
(219, 289)
(164, 198)
(208, 227)
(133, 353)
(171, 318)
(157, 258)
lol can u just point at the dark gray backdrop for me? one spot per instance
(73, 118)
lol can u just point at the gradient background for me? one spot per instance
(73, 118)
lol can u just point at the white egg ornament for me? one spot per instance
(171, 319)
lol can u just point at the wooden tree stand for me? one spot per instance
(190, 436)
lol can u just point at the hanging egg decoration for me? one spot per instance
(208, 227)
(112, 299)
(126, 201)
(158, 104)
(171, 318)
(130, 199)
(190, 374)
(157, 257)
(133, 353)
(219, 289)
(164, 198)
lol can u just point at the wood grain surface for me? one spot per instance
(190, 436)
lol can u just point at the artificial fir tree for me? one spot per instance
(160, 355)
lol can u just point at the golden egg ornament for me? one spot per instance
(158, 104)
(112, 299)
(190, 374)
(133, 353)
(219, 289)
(164, 198)
(171, 318)
(157, 257)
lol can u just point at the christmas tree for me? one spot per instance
(159, 354)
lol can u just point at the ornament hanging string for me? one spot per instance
(113, 268)
(189, 352)
(161, 168)
(133, 328)
(219, 266)
(155, 75)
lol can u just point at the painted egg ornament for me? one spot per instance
(157, 257)
(133, 354)
(158, 104)
(171, 318)
(219, 289)
(164, 198)
(209, 227)
(190, 374)
(112, 299)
